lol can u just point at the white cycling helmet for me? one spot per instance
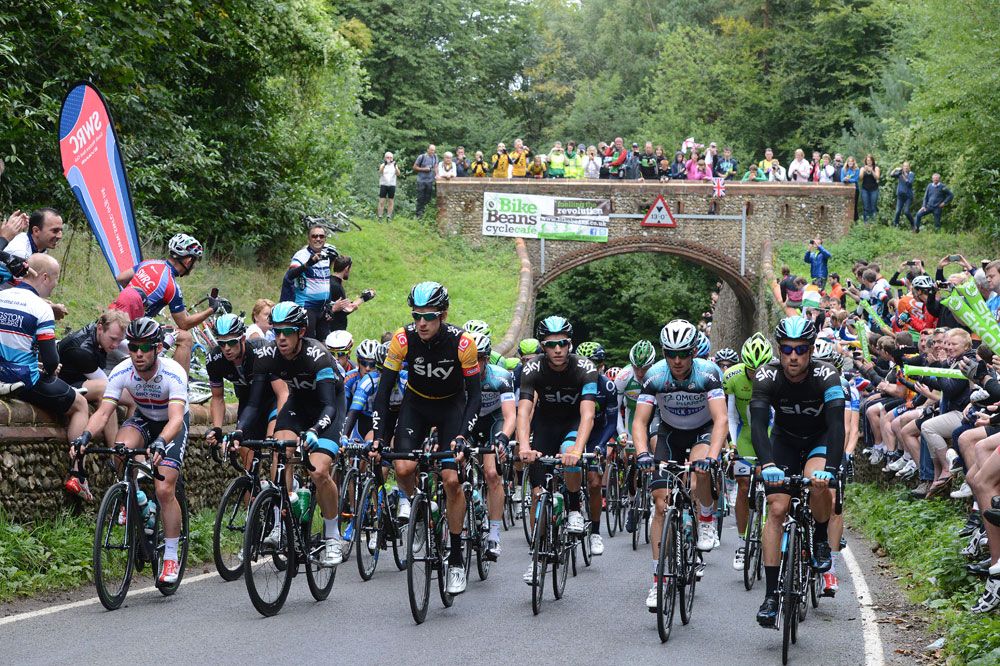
(182, 245)
(477, 326)
(340, 341)
(679, 335)
(367, 349)
(824, 350)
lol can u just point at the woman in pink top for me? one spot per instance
(701, 172)
(691, 166)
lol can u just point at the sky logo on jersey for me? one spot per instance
(801, 411)
(430, 370)
(561, 398)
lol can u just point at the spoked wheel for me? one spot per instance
(789, 596)
(563, 550)
(113, 547)
(481, 543)
(635, 506)
(471, 534)
(443, 551)
(418, 565)
(588, 556)
(367, 521)
(230, 524)
(667, 568)
(645, 508)
(804, 582)
(539, 555)
(320, 578)
(182, 543)
(526, 507)
(268, 567)
(613, 498)
(815, 583)
(348, 503)
(395, 535)
(688, 572)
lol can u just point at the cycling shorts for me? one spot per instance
(791, 453)
(51, 394)
(487, 428)
(299, 419)
(548, 437)
(150, 430)
(417, 415)
(674, 444)
(131, 302)
(386, 191)
(258, 429)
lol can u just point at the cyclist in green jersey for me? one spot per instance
(738, 385)
(479, 326)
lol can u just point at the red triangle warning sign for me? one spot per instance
(659, 215)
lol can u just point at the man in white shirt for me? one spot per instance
(799, 169)
(388, 171)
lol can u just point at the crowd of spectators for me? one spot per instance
(926, 429)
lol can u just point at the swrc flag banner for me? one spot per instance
(93, 166)
(537, 216)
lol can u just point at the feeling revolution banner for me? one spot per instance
(553, 218)
(93, 165)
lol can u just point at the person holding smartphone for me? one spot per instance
(388, 171)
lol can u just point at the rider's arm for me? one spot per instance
(760, 419)
(734, 419)
(473, 401)
(610, 426)
(186, 321)
(326, 394)
(525, 408)
(250, 410)
(280, 389)
(720, 426)
(386, 381)
(587, 410)
(48, 355)
(640, 425)
(217, 407)
(834, 434)
(509, 412)
(125, 277)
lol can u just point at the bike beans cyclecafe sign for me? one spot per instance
(554, 218)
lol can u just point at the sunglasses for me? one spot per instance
(671, 353)
(798, 350)
(552, 344)
(426, 316)
(366, 364)
(144, 347)
(229, 343)
(285, 331)
(317, 236)
(342, 354)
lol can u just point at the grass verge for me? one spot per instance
(390, 258)
(920, 539)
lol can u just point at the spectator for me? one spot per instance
(755, 174)
(592, 164)
(870, 176)
(519, 159)
(479, 167)
(16, 224)
(814, 167)
(45, 230)
(787, 282)
(838, 168)
(691, 165)
(712, 156)
(500, 162)
(827, 171)
(461, 162)
(836, 290)
(765, 164)
(388, 171)
(795, 292)
(992, 271)
(818, 257)
(617, 154)
(602, 152)
(630, 169)
(307, 281)
(849, 175)
(426, 168)
(778, 173)
(678, 170)
(701, 172)
(904, 193)
(574, 161)
(260, 315)
(727, 167)
(649, 163)
(340, 306)
(799, 170)
(537, 168)
(936, 197)
(557, 162)
(446, 169)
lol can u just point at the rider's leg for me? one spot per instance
(327, 493)
(183, 344)
(595, 482)
(821, 503)
(494, 496)
(777, 509)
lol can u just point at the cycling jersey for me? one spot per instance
(559, 392)
(21, 246)
(498, 388)
(220, 369)
(363, 399)
(810, 411)
(311, 289)
(852, 397)
(682, 403)
(739, 388)
(26, 323)
(628, 389)
(156, 280)
(152, 396)
(605, 415)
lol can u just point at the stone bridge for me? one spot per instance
(774, 214)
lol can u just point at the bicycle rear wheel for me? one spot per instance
(320, 578)
(751, 557)
(539, 553)
(367, 522)
(268, 569)
(230, 525)
(789, 595)
(114, 544)
(442, 551)
(613, 498)
(667, 567)
(563, 549)
(348, 504)
(525, 511)
(182, 543)
(418, 550)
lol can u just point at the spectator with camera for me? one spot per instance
(904, 193)
(818, 258)
(340, 306)
(936, 197)
(388, 172)
(307, 280)
(426, 167)
(500, 162)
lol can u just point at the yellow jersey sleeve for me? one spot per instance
(468, 356)
(397, 351)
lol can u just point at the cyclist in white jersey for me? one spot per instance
(161, 421)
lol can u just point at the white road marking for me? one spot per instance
(874, 652)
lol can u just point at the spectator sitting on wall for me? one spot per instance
(447, 169)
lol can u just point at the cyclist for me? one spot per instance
(359, 413)
(556, 404)
(628, 384)
(807, 438)
(150, 286)
(738, 385)
(313, 413)
(726, 358)
(497, 419)
(233, 359)
(496, 358)
(693, 427)
(340, 344)
(361, 424)
(605, 425)
(704, 347)
(443, 391)
(161, 422)
(307, 281)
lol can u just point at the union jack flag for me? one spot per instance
(718, 188)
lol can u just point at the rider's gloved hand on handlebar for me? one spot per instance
(158, 449)
(235, 438)
(773, 475)
(644, 460)
(309, 439)
(822, 476)
(702, 465)
(214, 436)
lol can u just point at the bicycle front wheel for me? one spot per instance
(348, 504)
(563, 549)
(688, 572)
(667, 567)
(539, 553)
(230, 525)
(114, 542)
(789, 595)
(525, 511)
(367, 522)
(320, 578)
(268, 553)
(418, 565)
(612, 499)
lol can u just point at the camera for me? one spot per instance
(367, 295)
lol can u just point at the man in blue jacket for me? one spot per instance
(936, 196)
(817, 257)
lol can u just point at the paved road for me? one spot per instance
(601, 618)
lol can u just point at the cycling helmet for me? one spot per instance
(182, 245)
(367, 349)
(592, 350)
(679, 335)
(229, 326)
(340, 342)
(144, 329)
(704, 346)
(727, 355)
(795, 328)
(923, 282)
(838, 361)
(428, 295)
(380, 353)
(288, 314)
(824, 350)
(612, 372)
(554, 325)
(756, 352)
(484, 347)
(477, 326)
(529, 346)
(642, 354)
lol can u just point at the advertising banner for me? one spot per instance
(553, 218)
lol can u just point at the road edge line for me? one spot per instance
(874, 650)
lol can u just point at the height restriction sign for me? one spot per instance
(659, 215)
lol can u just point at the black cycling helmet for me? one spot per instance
(288, 314)
(727, 355)
(380, 353)
(144, 329)
(554, 325)
(428, 295)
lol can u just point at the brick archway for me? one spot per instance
(726, 267)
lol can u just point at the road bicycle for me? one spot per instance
(129, 532)
(614, 492)
(756, 515)
(334, 222)
(477, 523)
(350, 479)
(375, 526)
(677, 565)
(639, 504)
(231, 515)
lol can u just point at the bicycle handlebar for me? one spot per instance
(417, 456)
(119, 449)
